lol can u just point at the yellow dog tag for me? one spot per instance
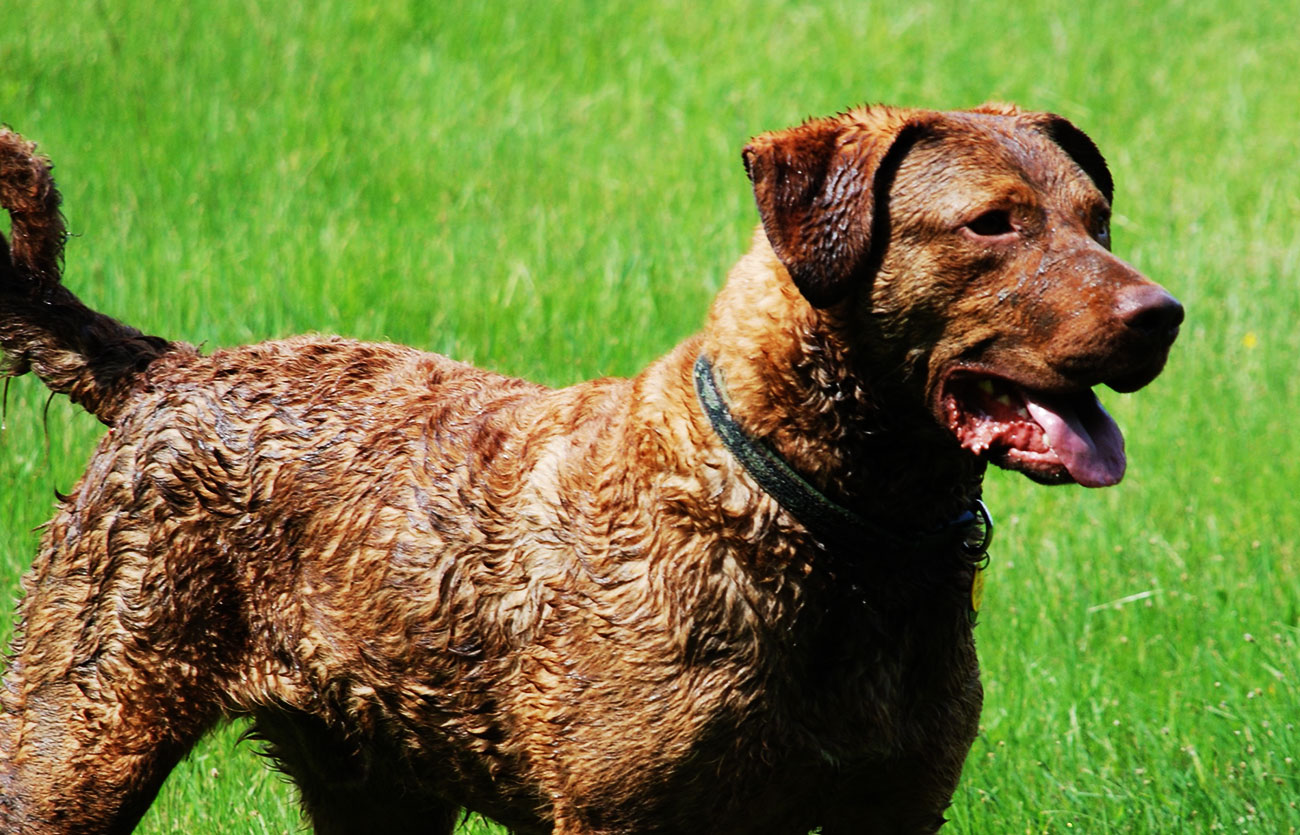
(976, 593)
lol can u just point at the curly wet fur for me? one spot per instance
(434, 587)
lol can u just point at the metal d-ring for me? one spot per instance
(978, 549)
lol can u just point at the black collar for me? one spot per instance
(832, 524)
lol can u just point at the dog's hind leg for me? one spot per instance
(126, 644)
(78, 758)
(85, 742)
(89, 730)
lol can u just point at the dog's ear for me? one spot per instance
(1080, 148)
(822, 190)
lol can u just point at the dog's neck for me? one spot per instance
(795, 384)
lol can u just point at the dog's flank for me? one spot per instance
(576, 610)
(44, 328)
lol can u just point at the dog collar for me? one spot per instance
(828, 521)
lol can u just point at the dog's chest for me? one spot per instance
(853, 682)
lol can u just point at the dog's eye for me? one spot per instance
(1103, 234)
(991, 224)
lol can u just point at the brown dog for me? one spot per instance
(730, 595)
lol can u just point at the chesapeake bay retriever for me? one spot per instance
(729, 595)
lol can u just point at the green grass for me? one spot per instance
(554, 190)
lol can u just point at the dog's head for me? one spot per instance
(970, 254)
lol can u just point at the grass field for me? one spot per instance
(555, 190)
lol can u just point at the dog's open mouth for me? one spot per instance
(1052, 438)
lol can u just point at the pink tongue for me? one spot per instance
(1083, 436)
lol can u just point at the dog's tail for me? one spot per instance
(93, 359)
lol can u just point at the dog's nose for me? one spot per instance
(1150, 311)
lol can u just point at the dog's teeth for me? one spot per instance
(1005, 400)
(986, 386)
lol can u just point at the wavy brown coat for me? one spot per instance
(432, 587)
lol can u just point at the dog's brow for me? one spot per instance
(950, 183)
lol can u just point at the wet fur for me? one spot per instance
(434, 587)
